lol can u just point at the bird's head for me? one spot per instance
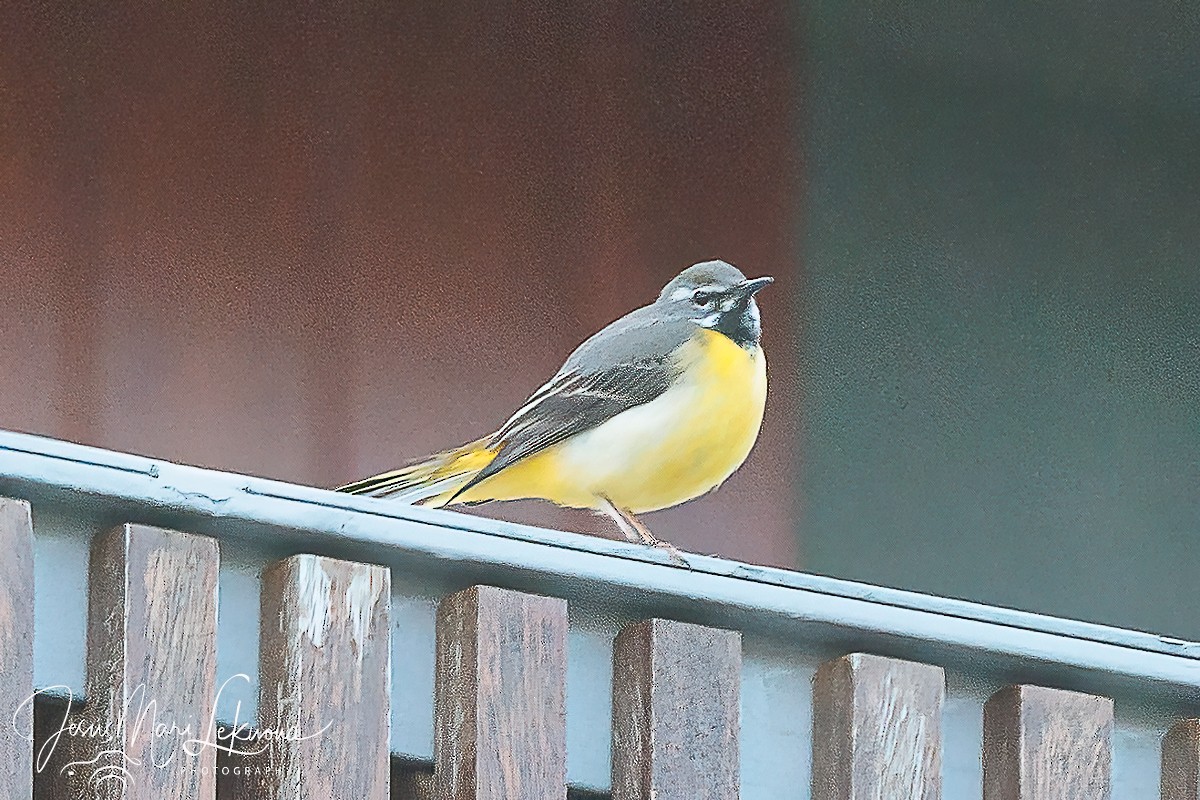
(716, 295)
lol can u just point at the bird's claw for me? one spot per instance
(672, 551)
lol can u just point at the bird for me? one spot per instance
(656, 409)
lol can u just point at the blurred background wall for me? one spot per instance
(313, 241)
(310, 244)
(1002, 359)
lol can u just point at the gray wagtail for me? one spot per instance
(656, 409)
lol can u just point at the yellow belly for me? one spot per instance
(680, 445)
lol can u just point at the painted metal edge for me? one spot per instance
(286, 517)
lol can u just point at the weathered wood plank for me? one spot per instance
(324, 678)
(676, 694)
(1181, 762)
(1047, 744)
(877, 729)
(16, 651)
(151, 673)
(500, 703)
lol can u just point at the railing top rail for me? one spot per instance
(826, 614)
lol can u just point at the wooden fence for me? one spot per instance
(147, 729)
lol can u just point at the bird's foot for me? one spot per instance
(635, 531)
(673, 552)
(650, 540)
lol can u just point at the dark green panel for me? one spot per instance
(1003, 307)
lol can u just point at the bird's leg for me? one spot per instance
(635, 531)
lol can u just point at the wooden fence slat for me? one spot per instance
(675, 727)
(1181, 762)
(1047, 744)
(151, 672)
(160, 587)
(324, 681)
(500, 701)
(16, 651)
(877, 729)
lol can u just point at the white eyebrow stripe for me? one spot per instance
(683, 291)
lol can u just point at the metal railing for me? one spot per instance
(288, 637)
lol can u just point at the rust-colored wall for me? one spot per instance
(310, 244)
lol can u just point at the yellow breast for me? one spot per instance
(678, 446)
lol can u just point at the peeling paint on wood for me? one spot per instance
(324, 682)
(313, 586)
(362, 596)
(877, 729)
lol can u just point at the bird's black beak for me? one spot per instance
(751, 287)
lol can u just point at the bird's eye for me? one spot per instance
(702, 298)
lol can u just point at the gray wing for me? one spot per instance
(625, 365)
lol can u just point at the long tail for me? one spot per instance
(432, 481)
